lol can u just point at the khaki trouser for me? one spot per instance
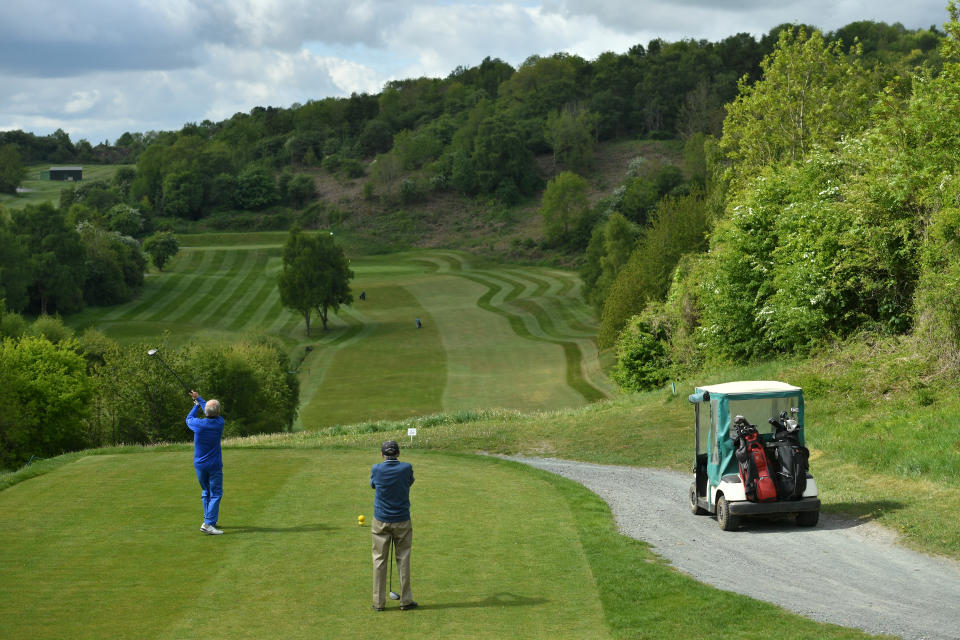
(401, 533)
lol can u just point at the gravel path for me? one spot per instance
(852, 573)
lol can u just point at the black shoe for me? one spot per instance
(376, 608)
(404, 607)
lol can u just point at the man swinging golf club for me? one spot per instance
(391, 480)
(207, 460)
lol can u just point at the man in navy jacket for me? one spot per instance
(207, 459)
(391, 480)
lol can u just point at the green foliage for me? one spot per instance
(639, 199)
(161, 246)
(138, 401)
(12, 171)
(591, 268)
(12, 324)
(500, 154)
(315, 275)
(411, 192)
(252, 382)
(570, 132)
(50, 328)
(415, 149)
(257, 187)
(56, 259)
(114, 265)
(14, 269)
(643, 362)
(352, 168)
(563, 206)
(301, 189)
(619, 241)
(182, 194)
(811, 93)
(44, 399)
(125, 220)
(678, 227)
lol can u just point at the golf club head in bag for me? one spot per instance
(153, 353)
(392, 552)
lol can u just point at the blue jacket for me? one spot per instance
(391, 479)
(206, 438)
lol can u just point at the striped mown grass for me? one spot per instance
(492, 336)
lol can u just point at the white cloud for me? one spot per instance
(81, 101)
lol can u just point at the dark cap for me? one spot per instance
(390, 448)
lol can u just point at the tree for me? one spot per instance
(564, 203)
(619, 240)
(315, 276)
(14, 271)
(811, 93)
(182, 194)
(257, 187)
(161, 246)
(12, 171)
(56, 258)
(678, 227)
(125, 219)
(571, 132)
(301, 189)
(44, 398)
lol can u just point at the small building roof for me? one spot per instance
(66, 168)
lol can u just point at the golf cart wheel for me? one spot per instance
(726, 520)
(808, 518)
(695, 509)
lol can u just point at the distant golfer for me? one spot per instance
(418, 323)
(207, 460)
(391, 479)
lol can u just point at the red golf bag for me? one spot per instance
(752, 462)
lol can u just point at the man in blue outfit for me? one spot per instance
(391, 480)
(207, 460)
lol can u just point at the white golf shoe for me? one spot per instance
(210, 530)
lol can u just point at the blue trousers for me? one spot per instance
(211, 490)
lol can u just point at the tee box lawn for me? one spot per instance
(109, 546)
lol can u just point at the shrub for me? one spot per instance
(642, 359)
(44, 399)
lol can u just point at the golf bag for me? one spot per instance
(791, 459)
(752, 462)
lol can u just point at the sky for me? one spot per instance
(98, 68)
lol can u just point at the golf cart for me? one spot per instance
(750, 453)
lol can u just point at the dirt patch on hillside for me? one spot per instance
(482, 225)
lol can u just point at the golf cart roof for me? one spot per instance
(745, 389)
(750, 387)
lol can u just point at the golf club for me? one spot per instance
(153, 354)
(392, 551)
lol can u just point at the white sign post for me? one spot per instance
(412, 431)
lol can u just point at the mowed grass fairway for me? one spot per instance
(110, 547)
(492, 336)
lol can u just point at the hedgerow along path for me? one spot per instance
(492, 336)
